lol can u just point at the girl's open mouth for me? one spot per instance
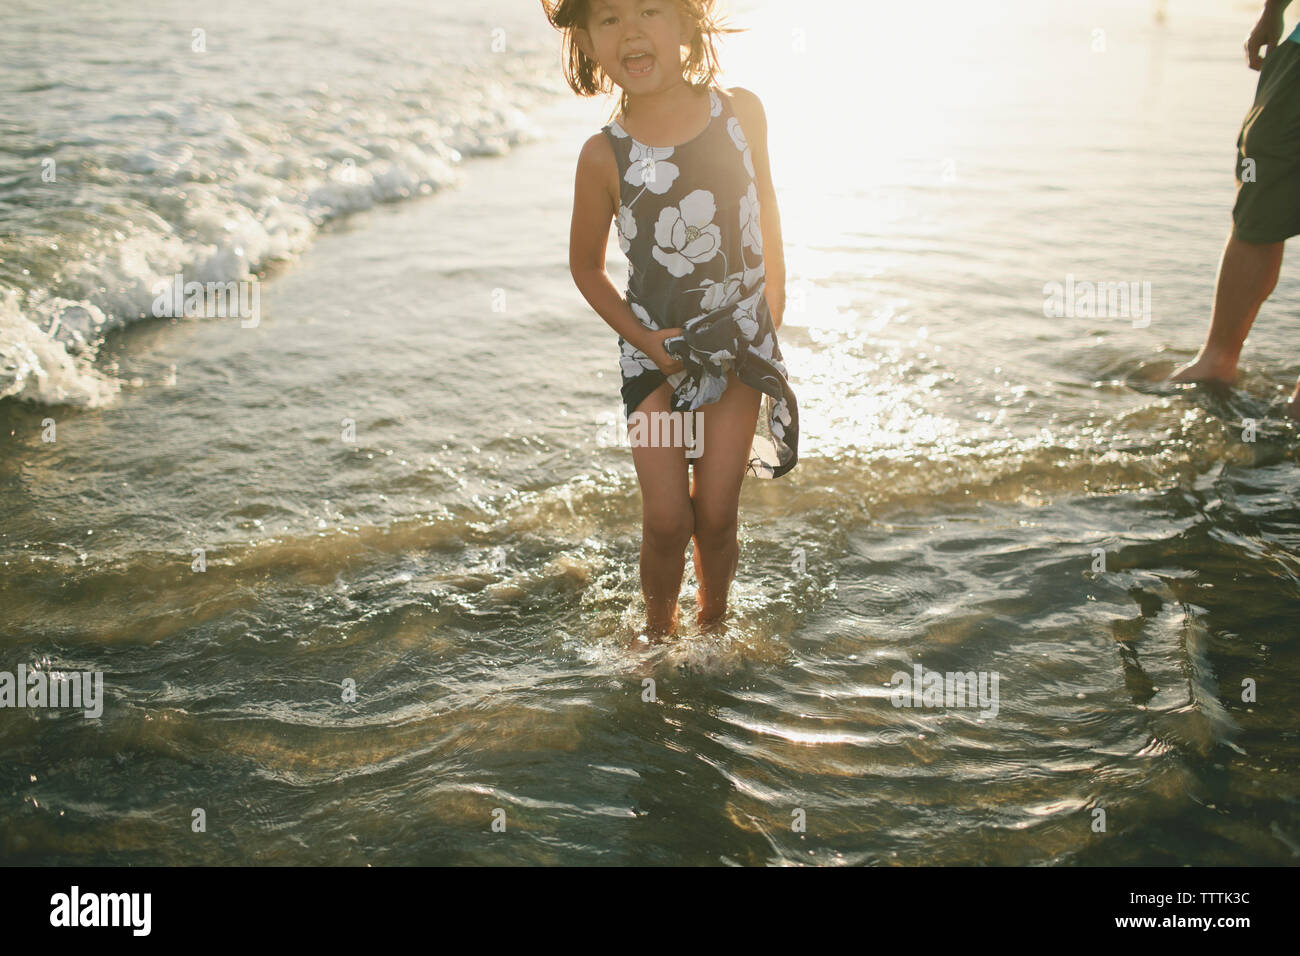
(639, 65)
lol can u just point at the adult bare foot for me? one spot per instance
(1292, 406)
(1205, 369)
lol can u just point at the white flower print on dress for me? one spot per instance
(780, 418)
(767, 350)
(632, 360)
(639, 311)
(626, 228)
(686, 235)
(742, 144)
(648, 166)
(720, 294)
(751, 223)
(746, 318)
(695, 393)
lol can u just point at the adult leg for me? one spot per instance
(728, 432)
(667, 520)
(1248, 273)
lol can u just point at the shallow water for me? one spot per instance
(470, 560)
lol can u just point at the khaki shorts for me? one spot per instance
(1268, 153)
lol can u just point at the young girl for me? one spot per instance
(683, 167)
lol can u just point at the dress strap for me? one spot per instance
(620, 145)
(724, 99)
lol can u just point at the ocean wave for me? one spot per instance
(216, 177)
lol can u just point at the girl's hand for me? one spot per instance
(654, 347)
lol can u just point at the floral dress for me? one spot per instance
(688, 221)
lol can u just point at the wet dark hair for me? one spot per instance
(586, 78)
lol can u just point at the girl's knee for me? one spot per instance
(715, 525)
(668, 527)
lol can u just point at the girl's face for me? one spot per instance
(638, 43)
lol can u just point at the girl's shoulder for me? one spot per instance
(597, 161)
(597, 154)
(744, 103)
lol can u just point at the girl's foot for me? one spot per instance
(711, 623)
(642, 642)
(655, 632)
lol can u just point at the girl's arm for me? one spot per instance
(754, 122)
(593, 210)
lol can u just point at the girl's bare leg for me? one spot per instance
(667, 521)
(728, 431)
(1248, 273)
